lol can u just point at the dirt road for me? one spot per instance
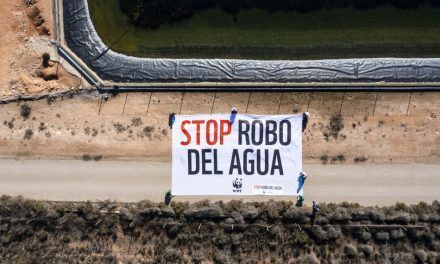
(132, 181)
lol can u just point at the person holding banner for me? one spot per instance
(305, 120)
(233, 115)
(168, 197)
(171, 119)
(301, 180)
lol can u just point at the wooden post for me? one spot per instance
(279, 106)
(149, 101)
(342, 103)
(308, 104)
(125, 102)
(213, 102)
(375, 102)
(181, 102)
(247, 105)
(409, 102)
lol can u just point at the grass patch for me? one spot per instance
(257, 34)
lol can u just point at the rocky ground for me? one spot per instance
(27, 33)
(235, 232)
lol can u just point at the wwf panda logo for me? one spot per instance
(237, 184)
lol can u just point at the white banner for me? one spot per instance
(237, 155)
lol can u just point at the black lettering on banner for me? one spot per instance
(216, 170)
(235, 162)
(247, 162)
(285, 123)
(271, 128)
(243, 131)
(260, 162)
(191, 170)
(260, 132)
(276, 163)
(205, 161)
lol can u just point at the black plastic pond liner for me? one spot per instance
(82, 38)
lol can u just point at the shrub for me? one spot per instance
(399, 218)
(322, 220)
(336, 124)
(120, 128)
(311, 259)
(334, 233)
(25, 111)
(341, 215)
(317, 234)
(28, 134)
(35, 16)
(420, 256)
(250, 213)
(86, 157)
(30, 2)
(136, 121)
(397, 234)
(350, 251)
(296, 216)
(220, 258)
(382, 236)
(360, 159)
(205, 213)
(172, 255)
(46, 59)
(148, 131)
(367, 250)
(364, 236)
(42, 127)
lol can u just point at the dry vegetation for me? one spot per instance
(235, 232)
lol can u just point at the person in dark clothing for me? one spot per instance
(233, 115)
(305, 120)
(171, 120)
(315, 210)
(168, 197)
(299, 201)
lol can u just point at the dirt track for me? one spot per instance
(134, 181)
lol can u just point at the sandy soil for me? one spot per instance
(395, 128)
(22, 44)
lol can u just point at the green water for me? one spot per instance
(342, 33)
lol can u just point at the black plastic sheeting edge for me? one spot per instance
(82, 39)
(117, 89)
(75, 64)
